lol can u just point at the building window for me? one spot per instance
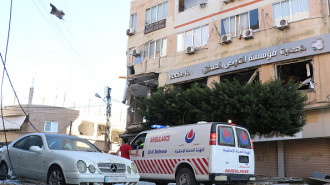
(156, 13)
(51, 126)
(155, 49)
(133, 21)
(300, 72)
(202, 83)
(195, 37)
(130, 57)
(186, 4)
(242, 76)
(290, 10)
(236, 24)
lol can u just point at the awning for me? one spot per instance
(12, 122)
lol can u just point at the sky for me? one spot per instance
(66, 61)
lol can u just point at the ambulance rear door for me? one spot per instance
(244, 151)
(223, 156)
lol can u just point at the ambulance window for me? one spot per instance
(243, 138)
(226, 136)
(138, 142)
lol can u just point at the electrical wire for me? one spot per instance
(11, 84)
(3, 76)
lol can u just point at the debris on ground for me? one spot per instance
(317, 178)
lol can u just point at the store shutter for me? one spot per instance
(304, 156)
(265, 159)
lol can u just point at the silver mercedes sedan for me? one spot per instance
(64, 159)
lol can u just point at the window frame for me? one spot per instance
(133, 21)
(240, 144)
(26, 141)
(219, 138)
(51, 126)
(311, 71)
(198, 4)
(148, 57)
(238, 22)
(149, 12)
(290, 11)
(192, 37)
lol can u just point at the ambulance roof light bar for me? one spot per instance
(201, 122)
(158, 126)
(230, 122)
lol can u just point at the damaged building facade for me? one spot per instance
(179, 42)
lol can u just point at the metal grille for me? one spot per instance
(108, 167)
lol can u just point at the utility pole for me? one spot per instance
(107, 92)
(107, 100)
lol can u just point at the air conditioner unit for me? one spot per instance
(190, 50)
(282, 24)
(225, 39)
(247, 34)
(228, 1)
(130, 31)
(202, 4)
(136, 53)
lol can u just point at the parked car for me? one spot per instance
(61, 159)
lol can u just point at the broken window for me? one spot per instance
(242, 76)
(184, 86)
(301, 72)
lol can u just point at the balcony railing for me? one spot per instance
(155, 26)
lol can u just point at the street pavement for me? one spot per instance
(25, 182)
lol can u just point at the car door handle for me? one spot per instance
(143, 153)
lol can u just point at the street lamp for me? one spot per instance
(107, 100)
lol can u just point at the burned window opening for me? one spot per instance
(202, 83)
(242, 76)
(130, 70)
(301, 72)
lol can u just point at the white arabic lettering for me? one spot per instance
(267, 55)
(286, 51)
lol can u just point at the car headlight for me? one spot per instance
(129, 170)
(91, 168)
(134, 168)
(81, 165)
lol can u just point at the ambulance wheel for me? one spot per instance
(185, 177)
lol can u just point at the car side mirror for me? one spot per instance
(35, 149)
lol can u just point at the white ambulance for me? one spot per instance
(208, 153)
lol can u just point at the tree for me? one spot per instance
(269, 108)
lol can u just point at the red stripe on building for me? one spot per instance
(162, 167)
(218, 13)
(202, 172)
(202, 165)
